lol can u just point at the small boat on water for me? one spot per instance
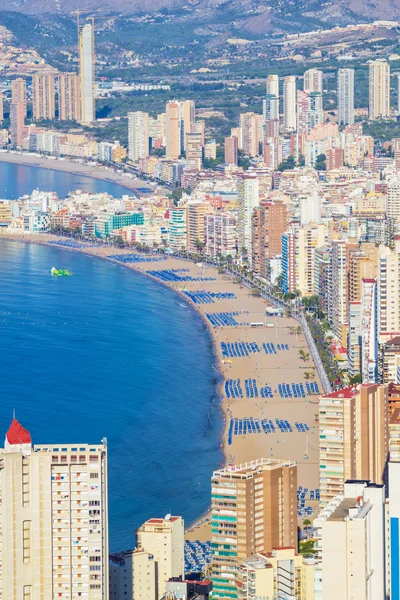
(60, 272)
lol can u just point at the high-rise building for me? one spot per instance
(289, 263)
(353, 437)
(394, 530)
(18, 93)
(389, 289)
(313, 81)
(281, 573)
(43, 96)
(87, 72)
(17, 112)
(272, 85)
(310, 208)
(195, 225)
(138, 135)
(369, 331)
(339, 290)
(254, 509)
(53, 519)
(315, 113)
(350, 534)
(173, 130)
(248, 125)
(289, 104)
(393, 198)
(1, 107)
(248, 188)
(346, 96)
(132, 576)
(220, 232)
(187, 119)
(379, 89)
(269, 222)
(69, 97)
(164, 539)
(194, 149)
(177, 229)
(303, 103)
(309, 237)
(231, 150)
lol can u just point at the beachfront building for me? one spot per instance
(18, 112)
(138, 135)
(87, 72)
(220, 234)
(269, 222)
(132, 576)
(350, 532)
(248, 189)
(106, 224)
(308, 238)
(281, 573)
(53, 519)
(353, 437)
(164, 540)
(289, 263)
(177, 229)
(254, 509)
(195, 225)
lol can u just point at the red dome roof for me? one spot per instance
(17, 434)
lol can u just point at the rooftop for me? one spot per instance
(17, 434)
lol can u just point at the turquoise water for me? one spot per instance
(17, 180)
(111, 353)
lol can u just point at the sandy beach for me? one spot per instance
(272, 369)
(80, 168)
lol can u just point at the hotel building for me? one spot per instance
(87, 72)
(43, 96)
(164, 539)
(53, 520)
(353, 437)
(254, 509)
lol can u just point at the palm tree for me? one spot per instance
(302, 354)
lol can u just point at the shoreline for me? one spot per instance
(242, 448)
(82, 169)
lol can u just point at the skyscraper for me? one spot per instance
(313, 81)
(248, 188)
(187, 119)
(248, 124)
(173, 130)
(346, 96)
(43, 96)
(254, 509)
(1, 106)
(289, 103)
(138, 135)
(87, 72)
(17, 111)
(271, 101)
(353, 432)
(231, 150)
(53, 519)
(69, 97)
(379, 89)
(164, 539)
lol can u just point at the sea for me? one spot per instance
(109, 353)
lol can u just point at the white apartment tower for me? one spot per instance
(249, 199)
(53, 520)
(313, 81)
(379, 89)
(138, 135)
(87, 72)
(164, 539)
(346, 96)
(289, 103)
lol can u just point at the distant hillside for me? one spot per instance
(260, 15)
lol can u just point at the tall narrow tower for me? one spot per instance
(346, 96)
(87, 72)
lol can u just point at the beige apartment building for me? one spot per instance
(195, 227)
(53, 520)
(18, 93)
(69, 97)
(172, 130)
(389, 290)
(353, 437)
(254, 509)
(309, 238)
(281, 573)
(164, 539)
(379, 89)
(43, 96)
(132, 576)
